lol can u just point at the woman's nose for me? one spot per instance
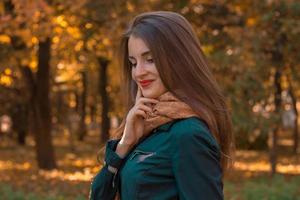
(140, 70)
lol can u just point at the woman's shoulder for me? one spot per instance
(192, 128)
(189, 126)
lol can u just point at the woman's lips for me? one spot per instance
(146, 83)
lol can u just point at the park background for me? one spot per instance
(60, 90)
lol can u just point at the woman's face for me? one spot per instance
(143, 69)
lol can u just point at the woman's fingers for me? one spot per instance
(140, 98)
(138, 94)
(144, 108)
(141, 113)
(144, 100)
(141, 110)
(142, 104)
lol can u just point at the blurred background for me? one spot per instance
(60, 90)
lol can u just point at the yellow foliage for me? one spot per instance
(5, 80)
(88, 25)
(284, 82)
(264, 166)
(72, 103)
(7, 71)
(33, 65)
(207, 49)
(91, 43)
(55, 39)
(60, 20)
(37, 14)
(5, 165)
(88, 120)
(79, 45)
(129, 6)
(251, 21)
(86, 175)
(238, 9)
(114, 15)
(73, 31)
(5, 39)
(58, 30)
(34, 40)
(2, 7)
(106, 41)
(108, 89)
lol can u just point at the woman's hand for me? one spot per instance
(134, 127)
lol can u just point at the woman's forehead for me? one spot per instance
(137, 47)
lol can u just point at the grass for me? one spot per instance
(279, 187)
(8, 193)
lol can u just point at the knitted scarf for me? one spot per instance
(167, 109)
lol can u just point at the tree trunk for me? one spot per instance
(23, 123)
(277, 61)
(93, 113)
(59, 107)
(20, 116)
(105, 124)
(296, 128)
(41, 109)
(274, 135)
(39, 87)
(82, 129)
(77, 100)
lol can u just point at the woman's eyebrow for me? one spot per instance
(146, 53)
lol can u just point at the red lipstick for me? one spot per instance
(145, 83)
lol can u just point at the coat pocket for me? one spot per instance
(140, 155)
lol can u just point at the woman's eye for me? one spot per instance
(150, 60)
(132, 64)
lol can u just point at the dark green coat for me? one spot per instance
(178, 160)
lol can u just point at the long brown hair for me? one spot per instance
(184, 71)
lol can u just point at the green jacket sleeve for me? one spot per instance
(196, 163)
(105, 183)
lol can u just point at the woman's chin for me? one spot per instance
(149, 95)
(153, 92)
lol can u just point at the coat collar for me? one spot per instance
(166, 127)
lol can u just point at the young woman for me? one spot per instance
(175, 140)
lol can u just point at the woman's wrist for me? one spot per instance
(123, 148)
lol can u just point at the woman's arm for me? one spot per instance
(196, 163)
(105, 183)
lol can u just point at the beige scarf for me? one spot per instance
(167, 109)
